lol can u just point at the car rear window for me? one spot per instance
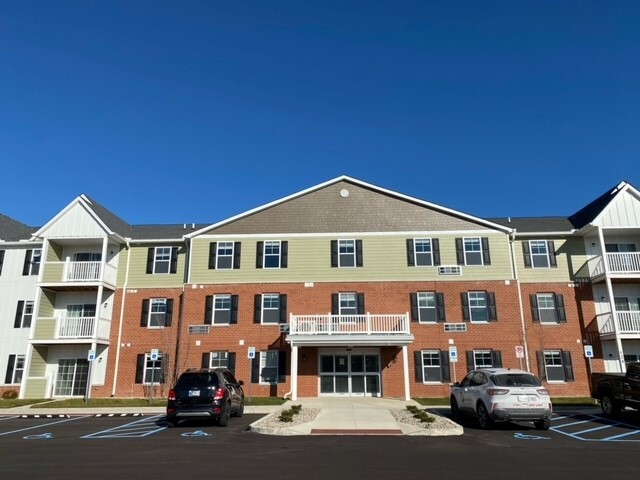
(516, 380)
(201, 380)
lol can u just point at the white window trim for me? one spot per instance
(263, 309)
(147, 359)
(153, 301)
(533, 255)
(428, 382)
(482, 351)
(263, 361)
(264, 254)
(218, 352)
(464, 250)
(486, 307)
(554, 309)
(213, 314)
(156, 260)
(27, 303)
(16, 369)
(354, 254)
(435, 309)
(415, 251)
(230, 256)
(561, 366)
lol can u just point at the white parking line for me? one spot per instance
(43, 425)
(594, 429)
(622, 435)
(139, 428)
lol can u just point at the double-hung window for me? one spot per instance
(219, 359)
(346, 305)
(555, 365)
(24, 314)
(162, 260)
(224, 255)
(15, 370)
(346, 253)
(548, 308)
(427, 307)
(539, 254)
(272, 254)
(221, 309)
(479, 307)
(473, 251)
(432, 366)
(157, 312)
(423, 252)
(269, 367)
(151, 368)
(32, 260)
(484, 358)
(270, 308)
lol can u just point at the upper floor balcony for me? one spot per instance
(623, 265)
(70, 274)
(618, 323)
(69, 328)
(366, 329)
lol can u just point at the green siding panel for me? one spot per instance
(138, 276)
(35, 388)
(38, 366)
(45, 329)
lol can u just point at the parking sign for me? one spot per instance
(588, 351)
(519, 351)
(453, 354)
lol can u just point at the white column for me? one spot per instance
(294, 373)
(405, 366)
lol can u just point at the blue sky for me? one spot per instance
(195, 111)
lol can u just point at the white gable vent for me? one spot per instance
(450, 270)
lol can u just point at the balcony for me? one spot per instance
(51, 329)
(67, 273)
(623, 324)
(367, 329)
(621, 265)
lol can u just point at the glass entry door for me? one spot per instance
(350, 374)
(72, 377)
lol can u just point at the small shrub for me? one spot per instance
(421, 415)
(10, 395)
(286, 416)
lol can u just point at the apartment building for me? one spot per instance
(345, 288)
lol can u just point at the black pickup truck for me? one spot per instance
(615, 391)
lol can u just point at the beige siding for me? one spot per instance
(47, 302)
(38, 367)
(45, 329)
(570, 257)
(138, 276)
(53, 272)
(35, 388)
(54, 253)
(122, 266)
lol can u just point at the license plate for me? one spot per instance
(527, 398)
(194, 393)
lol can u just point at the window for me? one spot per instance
(270, 308)
(620, 247)
(555, 366)
(626, 304)
(432, 366)
(32, 262)
(269, 367)
(539, 254)
(162, 260)
(224, 255)
(486, 358)
(15, 369)
(221, 309)
(548, 308)
(423, 252)
(1, 260)
(473, 251)
(479, 307)
(24, 314)
(347, 303)
(272, 254)
(427, 307)
(150, 371)
(346, 253)
(219, 359)
(157, 312)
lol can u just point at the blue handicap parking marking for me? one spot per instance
(524, 436)
(139, 428)
(197, 433)
(42, 436)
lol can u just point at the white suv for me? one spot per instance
(502, 395)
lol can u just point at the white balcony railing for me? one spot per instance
(80, 272)
(625, 323)
(349, 324)
(626, 262)
(83, 327)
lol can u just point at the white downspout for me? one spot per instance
(519, 287)
(119, 345)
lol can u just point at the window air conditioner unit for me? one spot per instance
(450, 270)
(284, 328)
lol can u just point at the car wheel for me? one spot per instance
(483, 417)
(543, 424)
(223, 421)
(455, 409)
(240, 411)
(609, 406)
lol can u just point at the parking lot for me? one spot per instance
(578, 443)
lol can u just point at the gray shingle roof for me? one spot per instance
(11, 230)
(535, 224)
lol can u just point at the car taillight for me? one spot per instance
(219, 394)
(172, 394)
(497, 391)
(542, 391)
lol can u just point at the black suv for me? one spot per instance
(208, 394)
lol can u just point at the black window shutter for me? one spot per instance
(411, 261)
(359, 253)
(231, 364)
(560, 311)
(335, 304)
(206, 359)
(465, 306)
(440, 311)
(18, 320)
(568, 367)
(174, 260)
(257, 308)
(255, 368)
(496, 358)
(535, 314)
(486, 254)
(417, 356)
(459, 252)
(8, 379)
(1, 260)
(413, 299)
(208, 310)
(470, 362)
(169, 316)
(234, 309)
(552, 254)
(27, 262)
(491, 303)
(150, 258)
(284, 254)
(435, 248)
(213, 250)
(283, 308)
(236, 254)
(140, 368)
(360, 303)
(542, 372)
(282, 367)
(144, 316)
(527, 254)
(445, 367)
(164, 367)
(334, 253)
(259, 254)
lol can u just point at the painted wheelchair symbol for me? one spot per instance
(42, 436)
(197, 433)
(524, 436)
